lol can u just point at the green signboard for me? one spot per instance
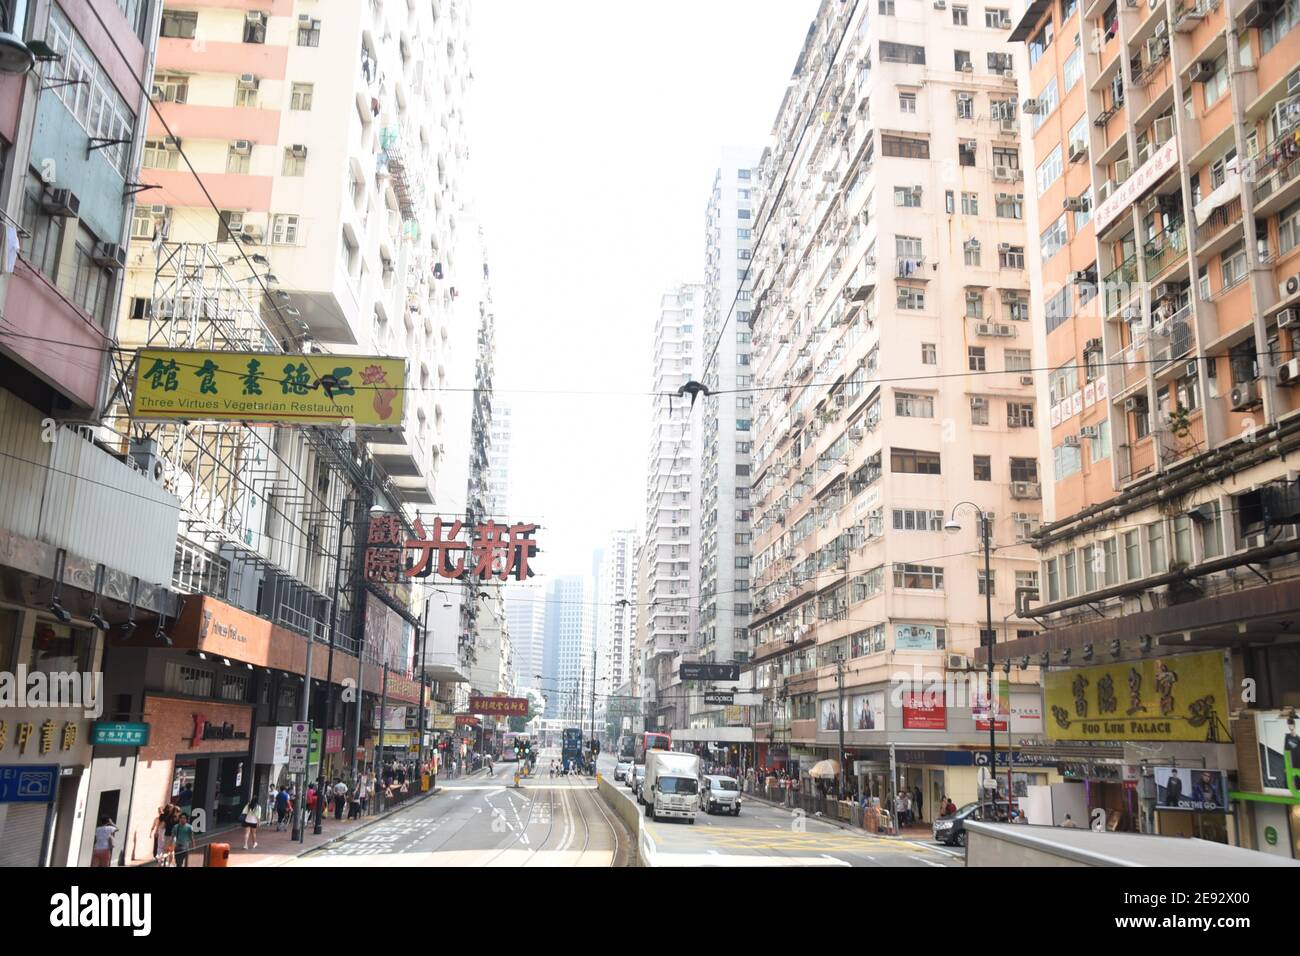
(120, 734)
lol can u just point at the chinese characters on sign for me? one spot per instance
(494, 550)
(42, 739)
(500, 706)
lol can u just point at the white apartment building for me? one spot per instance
(891, 335)
(616, 613)
(671, 577)
(724, 553)
(526, 618)
(498, 478)
(569, 642)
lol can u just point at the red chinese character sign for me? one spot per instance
(493, 551)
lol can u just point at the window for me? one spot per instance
(998, 19)
(742, 174)
(979, 410)
(1049, 170)
(907, 102)
(1048, 100)
(909, 196)
(744, 233)
(961, 61)
(911, 297)
(975, 358)
(1156, 547)
(909, 519)
(308, 32)
(93, 284)
(1212, 533)
(171, 87)
(929, 354)
(1009, 206)
(1072, 69)
(992, 582)
(965, 106)
(974, 304)
(295, 161)
(743, 214)
(1069, 562)
(1039, 42)
(885, 7)
(255, 28)
(284, 229)
(1217, 84)
(1053, 579)
(1058, 308)
(1063, 382)
(246, 97)
(906, 461)
(179, 23)
(1011, 257)
(971, 252)
(300, 98)
(970, 204)
(920, 577)
(1132, 555)
(1024, 469)
(983, 468)
(1020, 414)
(1026, 580)
(1099, 447)
(1068, 7)
(901, 53)
(1017, 360)
(158, 156)
(959, 16)
(904, 147)
(1232, 263)
(908, 405)
(237, 160)
(1014, 306)
(1054, 238)
(1182, 529)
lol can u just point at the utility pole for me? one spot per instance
(379, 754)
(593, 692)
(988, 608)
(300, 814)
(422, 638)
(839, 679)
(329, 665)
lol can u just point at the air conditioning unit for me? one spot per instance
(940, 4)
(1006, 331)
(298, 151)
(1190, 368)
(1009, 125)
(1026, 380)
(248, 81)
(1017, 174)
(110, 255)
(1092, 345)
(1070, 441)
(242, 146)
(1259, 14)
(956, 662)
(157, 210)
(1030, 106)
(1162, 291)
(61, 203)
(1135, 403)
(251, 234)
(1289, 373)
(1244, 396)
(968, 68)
(1073, 204)
(1091, 432)
(1021, 490)
(1002, 172)
(984, 329)
(1079, 153)
(1204, 70)
(1286, 318)
(1290, 286)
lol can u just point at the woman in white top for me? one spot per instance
(249, 817)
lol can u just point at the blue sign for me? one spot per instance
(23, 784)
(119, 734)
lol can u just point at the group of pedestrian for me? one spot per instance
(172, 834)
(909, 806)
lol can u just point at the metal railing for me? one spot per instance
(1161, 252)
(1130, 364)
(1226, 215)
(1120, 284)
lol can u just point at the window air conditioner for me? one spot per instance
(61, 204)
(1002, 172)
(1290, 286)
(242, 146)
(956, 662)
(110, 255)
(1070, 441)
(1026, 380)
(298, 151)
(1288, 373)
(1078, 153)
(172, 143)
(1286, 318)
(1091, 432)
(1244, 396)
(1030, 106)
(1204, 70)
(248, 81)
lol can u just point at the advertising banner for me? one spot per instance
(924, 711)
(831, 716)
(918, 637)
(1169, 698)
(1191, 789)
(268, 387)
(868, 711)
(500, 706)
(1279, 753)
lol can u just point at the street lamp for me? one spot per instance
(952, 527)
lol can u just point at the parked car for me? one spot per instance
(951, 830)
(719, 793)
(637, 777)
(622, 769)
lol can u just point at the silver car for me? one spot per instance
(719, 794)
(622, 769)
(636, 778)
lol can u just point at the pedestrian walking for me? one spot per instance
(170, 819)
(916, 802)
(282, 802)
(104, 834)
(340, 798)
(249, 817)
(184, 841)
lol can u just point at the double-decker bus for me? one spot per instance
(508, 740)
(571, 748)
(651, 740)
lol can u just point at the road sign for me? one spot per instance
(719, 697)
(698, 671)
(299, 732)
(297, 758)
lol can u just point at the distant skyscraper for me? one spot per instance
(617, 621)
(526, 617)
(568, 673)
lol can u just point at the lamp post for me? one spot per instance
(952, 527)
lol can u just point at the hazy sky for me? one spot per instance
(596, 129)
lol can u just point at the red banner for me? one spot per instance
(500, 706)
(466, 720)
(924, 711)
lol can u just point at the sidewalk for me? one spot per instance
(923, 831)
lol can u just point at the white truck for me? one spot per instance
(672, 785)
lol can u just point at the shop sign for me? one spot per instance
(1279, 753)
(918, 637)
(206, 730)
(924, 710)
(22, 784)
(268, 387)
(1075, 770)
(1142, 179)
(443, 722)
(698, 671)
(391, 718)
(1166, 699)
(714, 697)
(120, 734)
(500, 706)
(43, 738)
(466, 720)
(493, 550)
(333, 741)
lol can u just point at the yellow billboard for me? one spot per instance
(1169, 698)
(268, 387)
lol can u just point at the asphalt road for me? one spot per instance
(764, 835)
(484, 821)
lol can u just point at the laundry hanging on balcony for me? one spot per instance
(1226, 193)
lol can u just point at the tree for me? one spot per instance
(519, 724)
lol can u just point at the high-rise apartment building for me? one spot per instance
(667, 624)
(499, 467)
(526, 618)
(568, 668)
(616, 612)
(727, 419)
(1163, 142)
(894, 359)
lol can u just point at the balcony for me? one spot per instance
(1172, 339)
(1164, 250)
(1130, 366)
(1275, 170)
(907, 268)
(1217, 224)
(1120, 284)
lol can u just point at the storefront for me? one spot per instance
(1105, 790)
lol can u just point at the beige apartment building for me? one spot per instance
(895, 363)
(1162, 153)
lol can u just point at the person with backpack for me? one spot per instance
(281, 807)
